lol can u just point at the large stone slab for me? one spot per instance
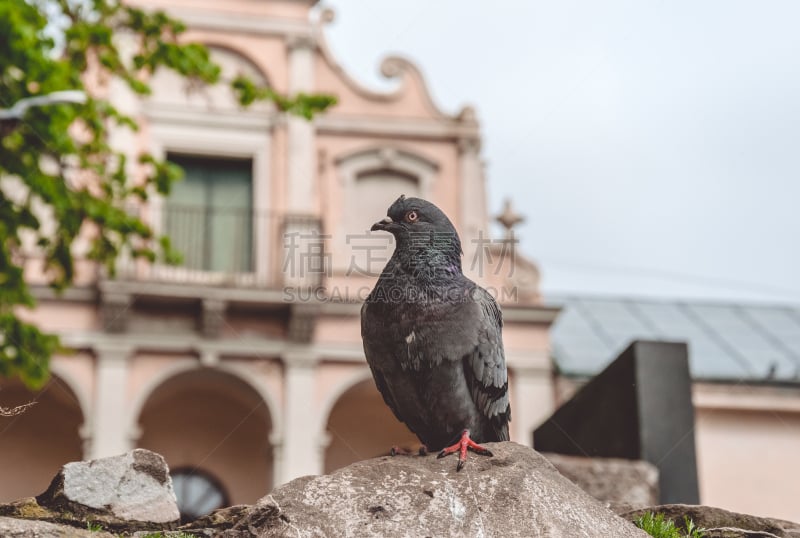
(515, 493)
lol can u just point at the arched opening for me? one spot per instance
(37, 443)
(214, 424)
(361, 426)
(169, 88)
(198, 492)
(376, 189)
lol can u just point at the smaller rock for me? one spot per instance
(121, 493)
(220, 519)
(721, 523)
(132, 487)
(240, 521)
(617, 482)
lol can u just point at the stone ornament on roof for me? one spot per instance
(508, 219)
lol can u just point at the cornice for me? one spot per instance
(395, 127)
(530, 314)
(192, 292)
(737, 397)
(231, 119)
(78, 294)
(313, 354)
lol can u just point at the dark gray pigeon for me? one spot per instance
(432, 337)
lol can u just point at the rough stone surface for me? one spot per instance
(633, 483)
(26, 528)
(515, 493)
(722, 523)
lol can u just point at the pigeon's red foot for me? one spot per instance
(461, 447)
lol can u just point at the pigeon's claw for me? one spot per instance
(400, 451)
(464, 444)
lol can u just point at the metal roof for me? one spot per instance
(727, 342)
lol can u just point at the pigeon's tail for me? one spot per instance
(501, 430)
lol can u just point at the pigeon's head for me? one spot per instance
(419, 223)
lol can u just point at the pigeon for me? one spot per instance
(433, 338)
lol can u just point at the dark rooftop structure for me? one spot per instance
(727, 342)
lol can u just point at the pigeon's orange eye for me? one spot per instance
(411, 216)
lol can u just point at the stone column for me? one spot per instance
(302, 167)
(301, 450)
(276, 442)
(474, 224)
(110, 435)
(302, 197)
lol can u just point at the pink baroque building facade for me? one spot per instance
(243, 366)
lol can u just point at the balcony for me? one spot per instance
(231, 247)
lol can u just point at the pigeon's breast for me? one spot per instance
(406, 346)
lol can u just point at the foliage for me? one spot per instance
(658, 526)
(57, 165)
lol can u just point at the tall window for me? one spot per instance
(209, 214)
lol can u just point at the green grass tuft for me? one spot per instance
(657, 526)
(94, 526)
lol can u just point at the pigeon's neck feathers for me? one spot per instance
(431, 253)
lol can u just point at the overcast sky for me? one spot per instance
(654, 147)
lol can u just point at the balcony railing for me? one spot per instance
(234, 247)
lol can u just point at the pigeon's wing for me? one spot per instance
(470, 332)
(380, 383)
(371, 353)
(485, 365)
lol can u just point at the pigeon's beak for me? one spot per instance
(382, 224)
